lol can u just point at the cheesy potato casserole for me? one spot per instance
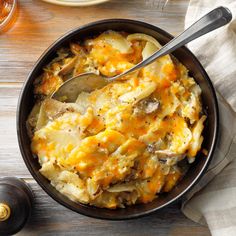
(126, 142)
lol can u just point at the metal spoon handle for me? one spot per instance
(211, 21)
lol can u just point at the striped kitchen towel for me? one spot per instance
(213, 200)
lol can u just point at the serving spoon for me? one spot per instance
(88, 82)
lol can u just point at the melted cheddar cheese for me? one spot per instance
(121, 144)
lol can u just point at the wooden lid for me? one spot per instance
(16, 201)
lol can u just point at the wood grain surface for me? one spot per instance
(37, 26)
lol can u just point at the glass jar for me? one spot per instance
(8, 14)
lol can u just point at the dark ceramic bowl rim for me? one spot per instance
(74, 32)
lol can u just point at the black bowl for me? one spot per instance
(26, 102)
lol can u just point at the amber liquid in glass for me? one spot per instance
(5, 9)
(8, 13)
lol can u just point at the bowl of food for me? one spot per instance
(130, 148)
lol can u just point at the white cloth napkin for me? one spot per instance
(213, 200)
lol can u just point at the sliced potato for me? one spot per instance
(148, 50)
(144, 37)
(117, 41)
(51, 109)
(125, 187)
(197, 138)
(139, 93)
(68, 67)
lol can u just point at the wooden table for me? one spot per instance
(37, 26)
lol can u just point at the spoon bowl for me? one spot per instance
(86, 82)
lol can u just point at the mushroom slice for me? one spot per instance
(147, 106)
(171, 158)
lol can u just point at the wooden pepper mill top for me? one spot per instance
(16, 200)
